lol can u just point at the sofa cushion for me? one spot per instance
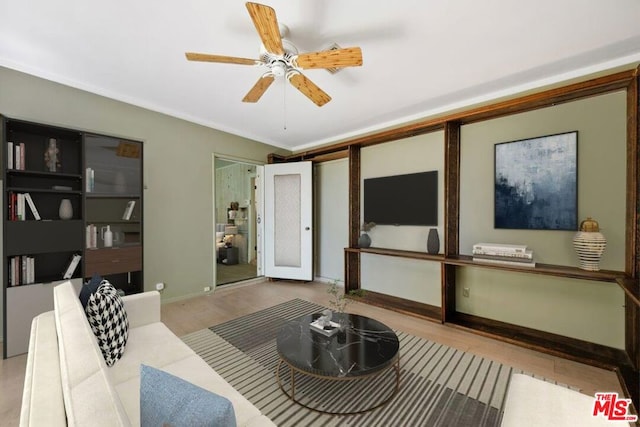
(195, 370)
(108, 320)
(89, 288)
(168, 400)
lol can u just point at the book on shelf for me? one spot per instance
(21, 270)
(16, 152)
(89, 180)
(525, 258)
(128, 210)
(528, 254)
(526, 264)
(32, 206)
(10, 155)
(499, 247)
(11, 202)
(91, 236)
(32, 269)
(72, 266)
(20, 213)
(17, 157)
(13, 280)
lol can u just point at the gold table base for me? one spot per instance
(292, 370)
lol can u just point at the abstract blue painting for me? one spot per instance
(536, 183)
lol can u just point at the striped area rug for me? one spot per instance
(439, 385)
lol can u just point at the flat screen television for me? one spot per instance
(410, 199)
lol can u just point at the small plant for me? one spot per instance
(367, 226)
(340, 300)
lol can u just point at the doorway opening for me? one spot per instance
(236, 256)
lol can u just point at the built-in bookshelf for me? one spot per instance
(49, 202)
(113, 203)
(42, 170)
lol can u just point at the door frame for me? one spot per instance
(259, 214)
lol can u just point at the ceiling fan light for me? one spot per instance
(278, 69)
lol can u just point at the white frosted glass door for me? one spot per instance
(288, 248)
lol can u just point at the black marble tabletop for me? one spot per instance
(366, 346)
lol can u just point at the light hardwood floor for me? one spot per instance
(229, 302)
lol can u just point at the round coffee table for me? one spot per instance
(365, 348)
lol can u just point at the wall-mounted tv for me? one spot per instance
(410, 199)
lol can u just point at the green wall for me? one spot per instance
(592, 311)
(588, 310)
(178, 207)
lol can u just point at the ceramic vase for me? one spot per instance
(65, 211)
(364, 241)
(589, 244)
(433, 242)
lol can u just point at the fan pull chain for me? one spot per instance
(284, 103)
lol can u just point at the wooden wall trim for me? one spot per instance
(451, 188)
(572, 92)
(632, 241)
(354, 196)
(352, 259)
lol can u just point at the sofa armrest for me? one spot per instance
(42, 400)
(142, 309)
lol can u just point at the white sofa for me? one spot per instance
(536, 403)
(67, 381)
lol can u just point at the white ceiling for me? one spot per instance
(421, 57)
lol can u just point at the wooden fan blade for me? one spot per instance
(264, 18)
(309, 89)
(259, 88)
(205, 57)
(348, 57)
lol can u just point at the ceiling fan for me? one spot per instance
(282, 59)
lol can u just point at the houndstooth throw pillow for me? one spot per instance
(108, 320)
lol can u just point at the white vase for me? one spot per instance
(65, 211)
(589, 244)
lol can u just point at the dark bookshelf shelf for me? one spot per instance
(43, 174)
(43, 190)
(111, 196)
(115, 222)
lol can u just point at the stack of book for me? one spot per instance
(504, 254)
(21, 270)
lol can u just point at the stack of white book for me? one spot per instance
(499, 253)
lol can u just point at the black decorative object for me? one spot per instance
(433, 241)
(536, 183)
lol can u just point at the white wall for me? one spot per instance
(178, 243)
(405, 278)
(331, 183)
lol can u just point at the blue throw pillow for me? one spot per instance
(89, 288)
(168, 400)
